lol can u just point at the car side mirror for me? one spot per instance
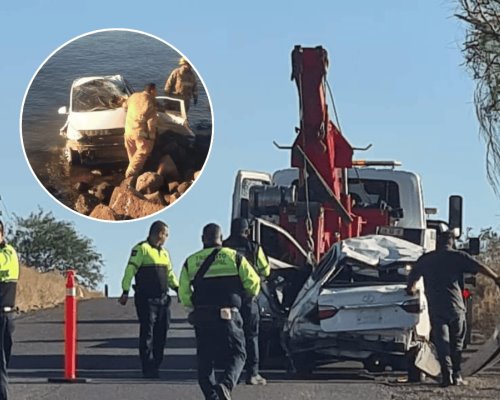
(63, 110)
(474, 246)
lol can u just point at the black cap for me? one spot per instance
(239, 226)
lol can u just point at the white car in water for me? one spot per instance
(95, 121)
(352, 305)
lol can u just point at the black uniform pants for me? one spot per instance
(6, 330)
(213, 339)
(251, 317)
(448, 336)
(154, 319)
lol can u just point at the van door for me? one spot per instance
(241, 194)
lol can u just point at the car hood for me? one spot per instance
(105, 119)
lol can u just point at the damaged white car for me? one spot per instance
(96, 120)
(351, 306)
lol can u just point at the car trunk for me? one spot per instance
(344, 309)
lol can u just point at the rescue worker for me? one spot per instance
(213, 281)
(239, 241)
(140, 128)
(443, 273)
(9, 274)
(182, 84)
(150, 264)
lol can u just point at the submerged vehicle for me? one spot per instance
(341, 236)
(95, 121)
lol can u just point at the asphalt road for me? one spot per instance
(108, 357)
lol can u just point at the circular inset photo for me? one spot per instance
(116, 124)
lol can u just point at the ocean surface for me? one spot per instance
(137, 57)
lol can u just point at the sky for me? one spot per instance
(396, 71)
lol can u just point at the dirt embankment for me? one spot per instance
(37, 290)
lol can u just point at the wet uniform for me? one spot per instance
(250, 308)
(9, 274)
(182, 84)
(216, 297)
(153, 274)
(140, 130)
(443, 272)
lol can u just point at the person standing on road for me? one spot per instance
(150, 264)
(239, 241)
(140, 128)
(443, 273)
(182, 84)
(9, 274)
(213, 280)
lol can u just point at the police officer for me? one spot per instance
(140, 128)
(239, 241)
(9, 274)
(150, 264)
(213, 281)
(182, 83)
(443, 273)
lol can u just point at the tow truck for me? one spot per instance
(341, 235)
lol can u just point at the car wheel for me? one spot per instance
(304, 364)
(72, 156)
(375, 363)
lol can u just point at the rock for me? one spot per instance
(171, 198)
(82, 187)
(85, 203)
(156, 198)
(129, 203)
(172, 186)
(196, 175)
(104, 212)
(168, 169)
(149, 182)
(103, 191)
(183, 187)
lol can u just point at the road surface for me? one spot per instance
(108, 356)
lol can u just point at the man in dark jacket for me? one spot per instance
(443, 273)
(150, 265)
(212, 281)
(239, 240)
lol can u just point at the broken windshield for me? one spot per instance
(99, 94)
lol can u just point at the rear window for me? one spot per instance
(372, 193)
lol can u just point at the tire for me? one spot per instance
(72, 156)
(304, 364)
(375, 363)
(414, 374)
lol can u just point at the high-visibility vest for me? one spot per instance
(225, 281)
(9, 274)
(152, 269)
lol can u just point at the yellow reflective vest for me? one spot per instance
(152, 269)
(9, 274)
(228, 278)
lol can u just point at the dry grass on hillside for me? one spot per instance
(37, 290)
